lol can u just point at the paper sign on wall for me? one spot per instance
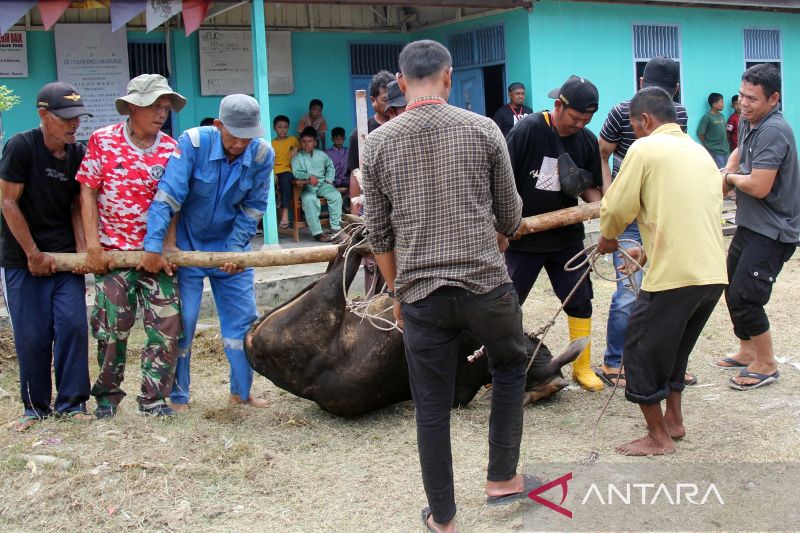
(14, 55)
(95, 60)
(226, 62)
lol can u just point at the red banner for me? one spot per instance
(52, 10)
(194, 12)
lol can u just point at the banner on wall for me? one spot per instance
(14, 55)
(226, 62)
(95, 60)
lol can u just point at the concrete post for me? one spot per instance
(261, 84)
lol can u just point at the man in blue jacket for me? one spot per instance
(217, 180)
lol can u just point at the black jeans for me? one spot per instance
(431, 334)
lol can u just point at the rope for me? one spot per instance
(361, 308)
(591, 256)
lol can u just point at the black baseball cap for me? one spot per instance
(661, 72)
(62, 99)
(394, 96)
(578, 93)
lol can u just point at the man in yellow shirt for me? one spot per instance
(285, 147)
(672, 187)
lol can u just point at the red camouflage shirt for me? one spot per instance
(126, 178)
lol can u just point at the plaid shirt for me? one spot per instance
(438, 184)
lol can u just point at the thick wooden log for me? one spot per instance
(314, 254)
(543, 222)
(265, 258)
(562, 217)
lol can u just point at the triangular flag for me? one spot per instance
(194, 12)
(52, 10)
(160, 11)
(12, 12)
(124, 10)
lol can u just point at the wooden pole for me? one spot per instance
(313, 254)
(266, 258)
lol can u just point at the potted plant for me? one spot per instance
(7, 100)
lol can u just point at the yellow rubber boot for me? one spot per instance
(581, 368)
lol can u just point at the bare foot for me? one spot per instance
(676, 431)
(259, 403)
(179, 407)
(647, 445)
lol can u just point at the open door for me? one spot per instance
(467, 90)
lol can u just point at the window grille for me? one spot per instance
(762, 45)
(366, 59)
(148, 58)
(485, 46)
(651, 41)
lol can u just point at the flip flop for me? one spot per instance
(528, 483)
(765, 379)
(689, 379)
(732, 363)
(284, 225)
(25, 422)
(426, 513)
(608, 377)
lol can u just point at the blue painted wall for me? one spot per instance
(595, 40)
(515, 29)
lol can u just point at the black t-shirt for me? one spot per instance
(534, 157)
(352, 147)
(505, 117)
(47, 196)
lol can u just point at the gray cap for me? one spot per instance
(144, 90)
(394, 96)
(241, 116)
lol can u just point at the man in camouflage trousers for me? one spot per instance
(120, 175)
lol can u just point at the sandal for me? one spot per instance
(25, 422)
(284, 225)
(80, 416)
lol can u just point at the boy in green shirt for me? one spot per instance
(711, 130)
(316, 167)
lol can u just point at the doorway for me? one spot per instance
(494, 83)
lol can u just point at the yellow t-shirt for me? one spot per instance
(673, 189)
(283, 155)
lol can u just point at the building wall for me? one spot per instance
(515, 26)
(544, 47)
(595, 40)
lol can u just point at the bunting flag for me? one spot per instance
(124, 10)
(194, 12)
(91, 4)
(160, 11)
(13, 11)
(51, 11)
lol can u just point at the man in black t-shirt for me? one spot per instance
(535, 145)
(40, 214)
(508, 115)
(378, 97)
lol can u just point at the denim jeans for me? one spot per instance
(720, 158)
(621, 303)
(432, 330)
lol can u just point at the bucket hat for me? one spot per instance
(144, 90)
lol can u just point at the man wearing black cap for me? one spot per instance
(515, 110)
(40, 214)
(540, 146)
(616, 137)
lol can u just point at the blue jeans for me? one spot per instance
(234, 296)
(621, 303)
(720, 158)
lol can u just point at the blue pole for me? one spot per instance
(261, 87)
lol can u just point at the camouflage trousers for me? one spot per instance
(118, 293)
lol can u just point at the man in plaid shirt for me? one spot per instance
(439, 198)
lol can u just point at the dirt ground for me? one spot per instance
(292, 467)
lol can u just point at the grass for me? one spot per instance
(292, 467)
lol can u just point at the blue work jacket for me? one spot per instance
(219, 203)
